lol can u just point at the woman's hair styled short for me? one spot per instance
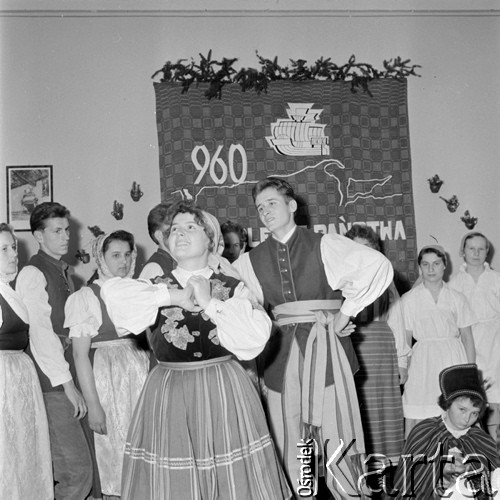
(188, 207)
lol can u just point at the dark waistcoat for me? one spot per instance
(289, 272)
(59, 287)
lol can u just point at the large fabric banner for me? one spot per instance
(346, 154)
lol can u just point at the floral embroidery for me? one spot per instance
(219, 291)
(196, 333)
(212, 335)
(173, 315)
(197, 354)
(167, 281)
(179, 337)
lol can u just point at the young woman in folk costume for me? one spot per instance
(439, 319)
(199, 430)
(111, 369)
(25, 459)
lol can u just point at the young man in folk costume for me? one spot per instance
(309, 361)
(44, 285)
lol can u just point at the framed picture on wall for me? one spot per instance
(27, 187)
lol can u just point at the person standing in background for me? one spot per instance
(111, 370)
(161, 262)
(235, 240)
(44, 286)
(439, 319)
(381, 346)
(25, 462)
(481, 285)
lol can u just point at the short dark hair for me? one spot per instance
(365, 232)
(189, 207)
(479, 403)
(234, 227)
(282, 186)
(119, 235)
(433, 250)
(44, 211)
(157, 219)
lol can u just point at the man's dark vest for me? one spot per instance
(289, 272)
(163, 259)
(58, 289)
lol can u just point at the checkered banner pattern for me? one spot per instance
(347, 155)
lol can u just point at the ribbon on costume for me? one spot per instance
(344, 410)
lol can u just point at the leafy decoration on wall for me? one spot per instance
(219, 73)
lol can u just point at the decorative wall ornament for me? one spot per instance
(83, 256)
(435, 184)
(136, 193)
(95, 230)
(220, 73)
(452, 204)
(469, 220)
(117, 212)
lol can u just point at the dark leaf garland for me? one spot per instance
(220, 73)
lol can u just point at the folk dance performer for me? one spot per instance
(198, 430)
(308, 365)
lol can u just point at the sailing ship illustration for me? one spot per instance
(299, 134)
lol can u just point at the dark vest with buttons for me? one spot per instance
(14, 331)
(289, 272)
(58, 289)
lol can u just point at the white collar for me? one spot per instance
(454, 432)
(183, 275)
(287, 235)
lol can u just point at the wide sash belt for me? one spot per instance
(321, 314)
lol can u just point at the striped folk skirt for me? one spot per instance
(379, 394)
(199, 432)
(25, 460)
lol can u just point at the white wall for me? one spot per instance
(76, 93)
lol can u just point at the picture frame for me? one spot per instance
(27, 187)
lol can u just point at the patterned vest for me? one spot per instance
(181, 336)
(289, 272)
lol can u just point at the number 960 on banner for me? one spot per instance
(217, 168)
